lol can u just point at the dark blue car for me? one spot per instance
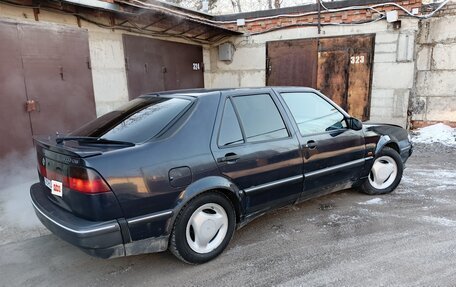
(182, 170)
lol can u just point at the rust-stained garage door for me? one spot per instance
(48, 66)
(332, 75)
(341, 68)
(292, 63)
(346, 78)
(155, 65)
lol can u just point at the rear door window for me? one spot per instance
(260, 118)
(230, 131)
(137, 121)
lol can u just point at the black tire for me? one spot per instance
(178, 244)
(368, 185)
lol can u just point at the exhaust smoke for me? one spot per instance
(17, 217)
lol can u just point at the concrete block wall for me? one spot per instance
(108, 70)
(393, 77)
(393, 69)
(434, 99)
(247, 69)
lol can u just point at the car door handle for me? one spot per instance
(311, 144)
(229, 158)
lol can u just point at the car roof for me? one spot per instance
(208, 92)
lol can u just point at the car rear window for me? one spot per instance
(137, 121)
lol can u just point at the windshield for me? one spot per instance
(136, 122)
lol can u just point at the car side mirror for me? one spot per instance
(354, 124)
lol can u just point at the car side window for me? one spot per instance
(313, 114)
(260, 118)
(230, 131)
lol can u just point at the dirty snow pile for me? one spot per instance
(436, 133)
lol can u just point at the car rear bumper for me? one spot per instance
(105, 239)
(101, 239)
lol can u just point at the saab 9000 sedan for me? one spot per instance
(182, 170)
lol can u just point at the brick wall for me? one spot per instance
(449, 9)
(346, 17)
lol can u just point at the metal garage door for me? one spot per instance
(48, 67)
(292, 63)
(15, 128)
(155, 65)
(340, 67)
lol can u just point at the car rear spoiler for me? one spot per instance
(51, 144)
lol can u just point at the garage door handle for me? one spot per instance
(32, 105)
(311, 144)
(229, 158)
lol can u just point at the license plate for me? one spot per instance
(56, 188)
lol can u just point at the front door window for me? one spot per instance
(313, 114)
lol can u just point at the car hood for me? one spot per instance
(391, 130)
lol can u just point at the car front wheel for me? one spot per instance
(203, 228)
(385, 174)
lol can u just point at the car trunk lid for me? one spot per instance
(62, 164)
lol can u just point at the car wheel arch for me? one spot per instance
(387, 141)
(383, 141)
(394, 146)
(204, 185)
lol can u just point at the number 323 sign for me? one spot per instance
(357, 59)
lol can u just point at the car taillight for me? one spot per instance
(79, 179)
(86, 181)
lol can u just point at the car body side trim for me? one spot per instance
(406, 148)
(273, 183)
(150, 217)
(110, 227)
(327, 170)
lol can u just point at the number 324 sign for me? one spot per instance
(196, 66)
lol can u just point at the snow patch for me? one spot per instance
(344, 218)
(436, 178)
(442, 200)
(376, 200)
(440, 220)
(436, 133)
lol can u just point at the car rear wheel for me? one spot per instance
(385, 174)
(203, 228)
